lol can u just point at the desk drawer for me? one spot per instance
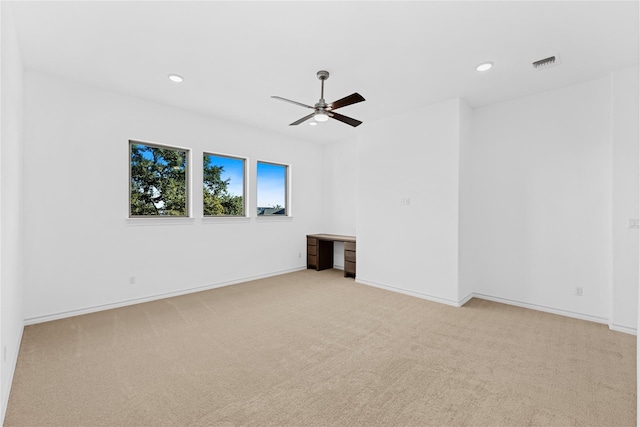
(349, 268)
(312, 241)
(312, 261)
(312, 250)
(349, 256)
(349, 246)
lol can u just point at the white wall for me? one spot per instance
(340, 193)
(407, 206)
(625, 137)
(465, 281)
(547, 186)
(539, 196)
(80, 247)
(11, 278)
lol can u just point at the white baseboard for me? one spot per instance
(546, 309)
(453, 303)
(621, 328)
(413, 293)
(465, 300)
(124, 303)
(12, 371)
(552, 310)
(567, 313)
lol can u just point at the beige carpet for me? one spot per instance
(313, 348)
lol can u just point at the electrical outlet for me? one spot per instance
(4, 354)
(634, 223)
(299, 254)
(132, 280)
(578, 291)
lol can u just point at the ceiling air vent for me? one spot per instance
(546, 62)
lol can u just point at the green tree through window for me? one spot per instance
(158, 185)
(223, 185)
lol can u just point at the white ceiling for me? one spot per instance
(398, 55)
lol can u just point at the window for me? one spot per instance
(223, 185)
(158, 180)
(272, 189)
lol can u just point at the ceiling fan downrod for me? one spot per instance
(322, 75)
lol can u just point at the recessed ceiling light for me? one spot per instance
(313, 123)
(175, 78)
(484, 66)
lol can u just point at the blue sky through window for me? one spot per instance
(272, 181)
(233, 170)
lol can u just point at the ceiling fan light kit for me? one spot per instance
(323, 111)
(321, 116)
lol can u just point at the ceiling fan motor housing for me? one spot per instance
(323, 75)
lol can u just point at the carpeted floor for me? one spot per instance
(315, 349)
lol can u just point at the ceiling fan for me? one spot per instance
(323, 111)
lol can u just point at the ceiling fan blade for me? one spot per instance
(344, 119)
(293, 102)
(347, 100)
(305, 118)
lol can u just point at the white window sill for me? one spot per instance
(172, 221)
(163, 221)
(225, 219)
(274, 218)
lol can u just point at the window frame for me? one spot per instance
(245, 185)
(187, 183)
(287, 189)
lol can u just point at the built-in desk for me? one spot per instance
(320, 252)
